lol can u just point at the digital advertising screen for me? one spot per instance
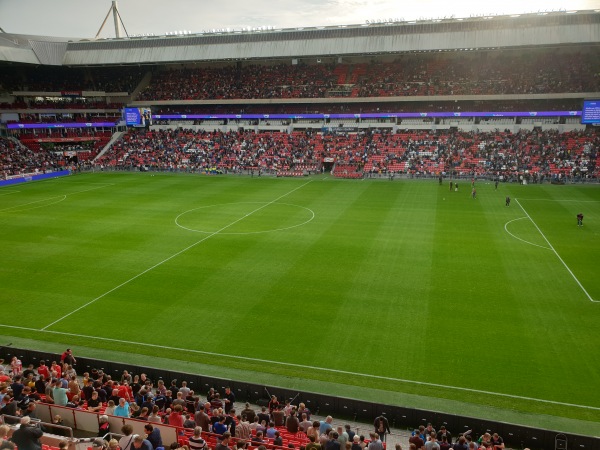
(137, 117)
(590, 113)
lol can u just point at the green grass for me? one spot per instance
(398, 291)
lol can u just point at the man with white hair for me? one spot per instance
(122, 409)
(27, 437)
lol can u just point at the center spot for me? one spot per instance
(244, 218)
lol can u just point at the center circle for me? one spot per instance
(244, 218)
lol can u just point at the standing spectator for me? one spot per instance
(342, 437)
(432, 443)
(375, 443)
(122, 409)
(230, 421)
(154, 417)
(196, 442)
(444, 432)
(59, 394)
(382, 427)
(349, 432)
(185, 391)
(67, 358)
(313, 445)
(220, 427)
(273, 404)
(333, 443)
(243, 430)
(444, 444)
(223, 443)
(126, 377)
(229, 399)
(292, 424)
(17, 387)
(202, 420)
(16, 366)
(176, 417)
(43, 369)
(325, 425)
(249, 413)
(497, 440)
(263, 416)
(305, 424)
(302, 409)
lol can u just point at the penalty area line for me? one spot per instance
(557, 255)
(302, 366)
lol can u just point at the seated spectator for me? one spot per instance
(103, 426)
(127, 439)
(139, 443)
(27, 436)
(153, 435)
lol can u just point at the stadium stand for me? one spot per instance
(537, 154)
(391, 73)
(79, 425)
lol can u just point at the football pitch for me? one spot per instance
(400, 291)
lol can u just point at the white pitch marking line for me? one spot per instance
(559, 200)
(302, 366)
(557, 255)
(7, 192)
(61, 197)
(246, 232)
(517, 237)
(172, 256)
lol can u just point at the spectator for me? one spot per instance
(139, 443)
(127, 439)
(196, 442)
(153, 435)
(27, 436)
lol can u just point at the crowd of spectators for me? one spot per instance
(59, 78)
(534, 153)
(535, 72)
(203, 421)
(17, 159)
(422, 74)
(64, 118)
(231, 82)
(188, 150)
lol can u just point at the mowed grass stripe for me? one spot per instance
(460, 302)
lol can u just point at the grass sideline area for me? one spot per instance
(399, 290)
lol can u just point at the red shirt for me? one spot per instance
(176, 419)
(44, 371)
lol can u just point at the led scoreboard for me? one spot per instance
(137, 117)
(590, 113)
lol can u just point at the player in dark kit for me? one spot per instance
(507, 200)
(580, 219)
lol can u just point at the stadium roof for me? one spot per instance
(540, 29)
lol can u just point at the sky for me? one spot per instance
(83, 18)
